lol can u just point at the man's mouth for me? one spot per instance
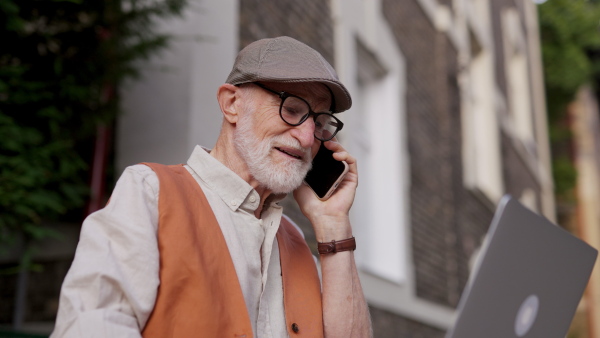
(295, 153)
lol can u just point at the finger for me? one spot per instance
(340, 153)
(333, 145)
(344, 156)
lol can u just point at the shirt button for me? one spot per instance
(234, 203)
(252, 199)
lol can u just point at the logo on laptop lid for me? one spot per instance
(527, 315)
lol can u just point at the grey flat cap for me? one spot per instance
(284, 59)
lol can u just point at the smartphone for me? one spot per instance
(326, 173)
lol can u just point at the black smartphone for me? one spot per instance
(326, 173)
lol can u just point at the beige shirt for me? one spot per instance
(112, 284)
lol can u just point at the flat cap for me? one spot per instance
(284, 59)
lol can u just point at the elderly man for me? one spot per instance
(203, 249)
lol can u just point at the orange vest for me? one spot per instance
(199, 293)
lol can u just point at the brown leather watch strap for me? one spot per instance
(336, 246)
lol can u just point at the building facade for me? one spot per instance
(448, 116)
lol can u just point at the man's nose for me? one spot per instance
(305, 132)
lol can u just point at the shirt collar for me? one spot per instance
(232, 189)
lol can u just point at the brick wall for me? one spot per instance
(448, 222)
(308, 21)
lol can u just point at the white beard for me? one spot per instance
(280, 177)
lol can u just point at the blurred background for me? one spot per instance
(456, 102)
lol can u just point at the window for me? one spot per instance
(381, 204)
(481, 131)
(517, 77)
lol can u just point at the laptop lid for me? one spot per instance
(528, 280)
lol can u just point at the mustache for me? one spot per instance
(282, 141)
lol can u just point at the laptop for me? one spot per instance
(528, 279)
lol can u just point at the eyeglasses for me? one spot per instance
(294, 110)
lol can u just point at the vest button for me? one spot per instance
(295, 328)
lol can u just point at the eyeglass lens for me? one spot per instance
(295, 110)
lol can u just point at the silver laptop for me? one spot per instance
(528, 280)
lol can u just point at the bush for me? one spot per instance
(61, 62)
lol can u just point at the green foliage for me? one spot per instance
(563, 168)
(569, 31)
(569, 35)
(60, 64)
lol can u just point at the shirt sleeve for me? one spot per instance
(111, 287)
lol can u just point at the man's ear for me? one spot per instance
(227, 96)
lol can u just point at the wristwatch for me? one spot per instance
(336, 246)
